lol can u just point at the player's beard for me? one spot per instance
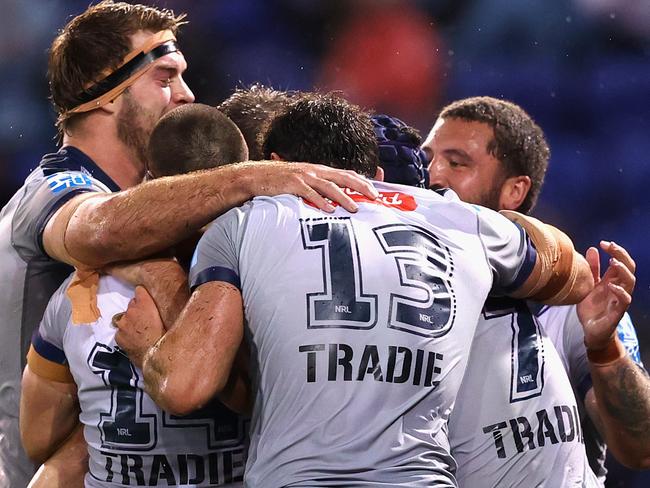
(134, 126)
(490, 198)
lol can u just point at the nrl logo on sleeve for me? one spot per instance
(62, 181)
(392, 199)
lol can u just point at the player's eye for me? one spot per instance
(166, 82)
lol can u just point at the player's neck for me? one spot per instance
(111, 155)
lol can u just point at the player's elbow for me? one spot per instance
(183, 392)
(36, 448)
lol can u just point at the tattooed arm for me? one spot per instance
(619, 406)
(619, 401)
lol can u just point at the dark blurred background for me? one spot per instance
(581, 68)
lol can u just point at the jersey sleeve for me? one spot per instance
(508, 249)
(627, 334)
(573, 345)
(42, 198)
(46, 356)
(216, 257)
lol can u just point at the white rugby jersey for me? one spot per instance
(360, 326)
(564, 329)
(131, 441)
(516, 421)
(28, 279)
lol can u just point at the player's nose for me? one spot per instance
(183, 94)
(437, 175)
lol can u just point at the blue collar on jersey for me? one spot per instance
(70, 158)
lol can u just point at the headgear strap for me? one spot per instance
(135, 64)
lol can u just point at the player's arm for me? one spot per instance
(66, 467)
(49, 412)
(164, 280)
(192, 362)
(141, 327)
(91, 231)
(619, 401)
(559, 274)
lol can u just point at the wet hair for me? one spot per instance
(325, 129)
(253, 109)
(94, 41)
(194, 137)
(518, 142)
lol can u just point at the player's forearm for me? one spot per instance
(66, 467)
(192, 361)
(166, 282)
(622, 391)
(154, 215)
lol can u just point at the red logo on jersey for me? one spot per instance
(392, 199)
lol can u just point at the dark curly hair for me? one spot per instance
(518, 143)
(325, 129)
(253, 109)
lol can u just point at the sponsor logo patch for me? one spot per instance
(62, 181)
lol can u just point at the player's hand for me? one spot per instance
(140, 272)
(139, 328)
(602, 309)
(312, 182)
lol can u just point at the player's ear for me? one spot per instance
(379, 175)
(514, 191)
(112, 106)
(276, 157)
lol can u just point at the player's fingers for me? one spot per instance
(116, 320)
(622, 297)
(307, 193)
(619, 252)
(593, 258)
(620, 274)
(330, 190)
(349, 179)
(142, 296)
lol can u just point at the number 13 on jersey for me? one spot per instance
(422, 302)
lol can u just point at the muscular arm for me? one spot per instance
(619, 401)
(560, 275)
(101, 229)
(66, 467)
(619, 405)
(49, 412)
(205, 338)
(165, 281)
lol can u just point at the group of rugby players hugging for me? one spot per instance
(273, 363)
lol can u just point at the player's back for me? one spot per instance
(360, 325)
(131, 441)
(516, 421)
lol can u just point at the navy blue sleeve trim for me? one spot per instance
(47, 349)
(526, 268)
(46, 218)
(585, 385)
(216, 273)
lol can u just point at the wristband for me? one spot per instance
(614, 351)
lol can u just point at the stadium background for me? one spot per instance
(581, 68)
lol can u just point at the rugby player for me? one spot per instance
(359, 325)
(113, 71)
(253, 109)
(491, 153)
(76, 371)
